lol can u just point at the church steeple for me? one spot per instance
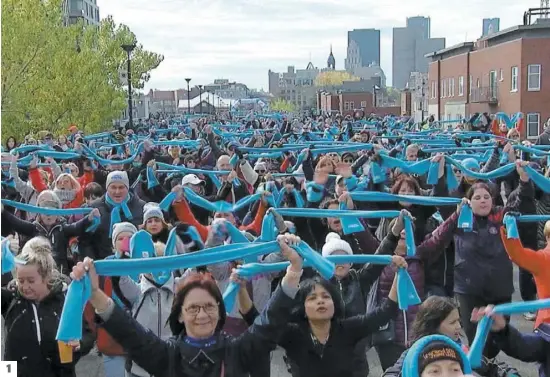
(331, 62)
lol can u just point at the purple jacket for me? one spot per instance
(426, 253)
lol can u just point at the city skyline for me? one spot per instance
(241, 41)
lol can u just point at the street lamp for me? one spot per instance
(188, 97)
(129, 48)
(200, 97)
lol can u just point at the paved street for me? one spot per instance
(91, 366)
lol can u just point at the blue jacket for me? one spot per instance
(531, 348)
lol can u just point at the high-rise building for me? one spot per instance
(490, 25)
(363, 48)
(421, 26)
(410, 45)
(85, 10)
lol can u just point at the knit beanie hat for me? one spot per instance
(151, 210)
(124, 227)
(436, 351)
(118, 176)
(335, 243)
(48, 199)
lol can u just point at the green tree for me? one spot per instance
(55, 75)
(334, 78)
(282, 105)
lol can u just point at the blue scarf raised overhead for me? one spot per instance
(115, 212)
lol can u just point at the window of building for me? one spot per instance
(514, 80)
(533, 77)
(533, 125)
(452, 87)
(470, 84)
(346, 105)
(443, 88)
(478, 83)
(460, 86)
(501, 75)
(363, 104)
(351, 105)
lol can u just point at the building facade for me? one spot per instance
(363, 48)
(350, 103)
(418, 92)
(507, 71)
(409, 47)
(490, 25)
(77, 10)
(295, 85)
(226, 89)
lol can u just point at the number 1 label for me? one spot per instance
(8, 368)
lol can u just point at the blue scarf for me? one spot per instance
(115, 212)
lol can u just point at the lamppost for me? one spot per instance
(200, 97)
(188, 97)
(129, 48)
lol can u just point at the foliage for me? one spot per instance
(54, 75)
(282, 105)
(334, 78)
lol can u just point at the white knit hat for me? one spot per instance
(119, 228)
(118, 176)
(151, 210)
(335, 243)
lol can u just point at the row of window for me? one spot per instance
(350, 105)
(447, 86)
(532, 123)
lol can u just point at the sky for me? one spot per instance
(241, 40)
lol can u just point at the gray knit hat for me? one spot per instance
(151, 210)
(118, 176)
(119, 228)
(48, 199)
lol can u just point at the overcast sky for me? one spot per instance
(241, 40)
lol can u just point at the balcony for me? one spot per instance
(485, 94)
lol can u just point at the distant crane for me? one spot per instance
(545, 8)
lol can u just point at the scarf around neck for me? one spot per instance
(115, 213)
(66, 196)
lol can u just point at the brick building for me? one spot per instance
(506, 71)
(348, 103)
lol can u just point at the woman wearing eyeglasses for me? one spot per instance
(198, 347)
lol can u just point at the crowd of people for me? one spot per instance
(273, 183)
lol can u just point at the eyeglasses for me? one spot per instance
(208, 309)
(348, 161)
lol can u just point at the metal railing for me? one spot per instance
(485, 94)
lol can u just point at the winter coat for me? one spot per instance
(30, 334)
(335, 358)
(151, 307)
(530, 348)
(59, 235)
(98, 245)
(426, 252)
(537, 263)
(482, 267)
(222, 355)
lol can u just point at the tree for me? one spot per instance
(55, 75)
(334, 78)
(282, 105)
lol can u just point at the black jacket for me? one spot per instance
(38, 355)
(223, 356)
(337, 357)
(59, 235)
(98, 245)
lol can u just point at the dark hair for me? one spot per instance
(195, 280)
(306, 287)
(478, 186)
(430, 314)
(14, 143)
(93, 189)
(408, 180)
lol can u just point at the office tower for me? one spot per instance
(363, 48)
